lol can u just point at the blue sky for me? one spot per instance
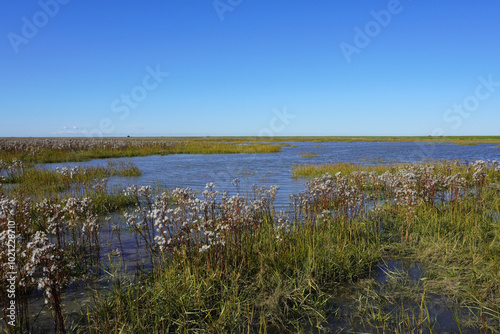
(241, 67)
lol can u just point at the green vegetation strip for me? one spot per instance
(309, 155)
(46, 150)
(90, 181)
(348, 168)
(320, 139)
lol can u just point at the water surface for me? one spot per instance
(266, 169)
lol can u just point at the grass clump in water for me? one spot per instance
(42, 182)
(346, 168)
(309, 155)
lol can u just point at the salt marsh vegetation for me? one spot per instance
(39, 150)
(309, 154)
(231, 263)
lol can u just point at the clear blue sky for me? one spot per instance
(83, 67)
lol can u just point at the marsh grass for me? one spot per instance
(71, 150)
(281, 275)
(322, 139)
(350, 139)
(456, 248)
(45, 150)
(443, 168)
(40, 182)
(266, 285)
(232, 264)
(309, 155)
(374, 161)
(346, 168)
(105, 202)
(85, 182)
(248, 172)
(224, 148)
(37, 181)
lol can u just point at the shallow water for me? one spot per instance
(395, 286)
(266, 169)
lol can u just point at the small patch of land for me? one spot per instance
(349, 168)
(309, 154)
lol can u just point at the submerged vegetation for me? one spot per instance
(232, 263)
(309, 154)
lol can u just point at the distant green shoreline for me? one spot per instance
(458, 140)
(443, 139)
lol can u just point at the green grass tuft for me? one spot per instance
(309, 155)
